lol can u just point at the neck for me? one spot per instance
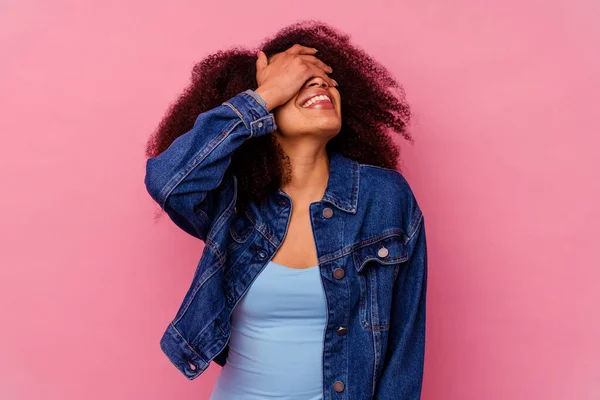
(309, 172)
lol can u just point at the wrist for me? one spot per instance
(268, 95)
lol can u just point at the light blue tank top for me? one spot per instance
(276, 343)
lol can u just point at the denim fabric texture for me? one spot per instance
(371, 246)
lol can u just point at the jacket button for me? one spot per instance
(341, 331)
(262, 254)
(260, 124)
(327, 212)
(338, 386)
(338, 273)
(383, 252)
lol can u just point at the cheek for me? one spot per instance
(287, 119)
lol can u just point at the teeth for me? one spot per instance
(316, 98)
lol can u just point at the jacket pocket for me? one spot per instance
(240, 229)
(240, 236)
(377, 261)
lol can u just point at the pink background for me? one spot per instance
(505, 167)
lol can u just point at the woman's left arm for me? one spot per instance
(402, 373)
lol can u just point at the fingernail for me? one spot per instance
(334, 82)
(315, 49)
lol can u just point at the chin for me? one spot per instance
(328, 125)
(327, 130)
(324, 126)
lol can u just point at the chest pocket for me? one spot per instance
(378, 261)
(240, 229)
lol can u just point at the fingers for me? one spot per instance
(299, 49)
(314, 66)
(317, 62)
(318, 67)
(316, 71)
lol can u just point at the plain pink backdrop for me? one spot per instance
(505, 167)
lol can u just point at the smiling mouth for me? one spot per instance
(320, 101)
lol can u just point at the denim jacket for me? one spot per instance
(370, 241)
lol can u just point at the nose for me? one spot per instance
(316, 81)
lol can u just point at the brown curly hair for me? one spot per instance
(371, 101)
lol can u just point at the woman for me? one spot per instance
(312, 282)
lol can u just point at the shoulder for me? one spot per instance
(385, 181)
(387, 192)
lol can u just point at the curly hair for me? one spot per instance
(371, 101)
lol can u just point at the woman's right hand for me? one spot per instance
(281, 77)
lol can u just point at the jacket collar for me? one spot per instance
(343, 182)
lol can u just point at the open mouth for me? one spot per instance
(318, 101)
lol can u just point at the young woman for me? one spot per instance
(312, 282)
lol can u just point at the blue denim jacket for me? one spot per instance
(370, 239)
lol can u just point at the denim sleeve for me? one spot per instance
(185, 177)
(260, 99)
(402, 373)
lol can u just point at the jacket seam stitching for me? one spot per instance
(414, 226)
(239, 114)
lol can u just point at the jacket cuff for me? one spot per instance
(251, 108)
(258, 97)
